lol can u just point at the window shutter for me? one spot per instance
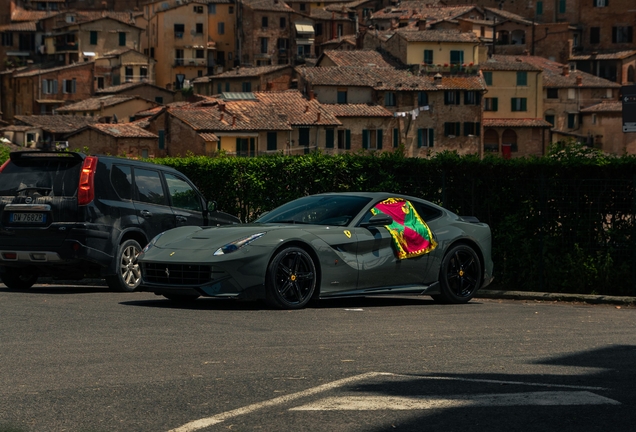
(329, 138)
(396, 137)
(614, 33)
(379, 137)
(630, 34)
(467, 128)
(447, 129)
(162, 139)
(365, 138)
(74, 86)
(495, 104)
(478, 129)
(348, 139)
(458, 96)
(63, 86)
(45, 86)
(458, 128)
(420, 137)
(431, 137)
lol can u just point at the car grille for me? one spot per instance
(176, 274)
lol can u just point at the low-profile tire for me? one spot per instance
(460, 275)
(181, 298)
(291, 279)
(128, 276)
(19, 278)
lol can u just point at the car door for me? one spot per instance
(187, 203)
(151, 202)
(379, 265)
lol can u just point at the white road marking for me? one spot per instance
(372, 403)
(209, 421)
(467, 400)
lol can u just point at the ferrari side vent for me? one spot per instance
(177, 274)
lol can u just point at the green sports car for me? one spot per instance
(324, 246)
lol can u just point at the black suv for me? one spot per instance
(67, 215)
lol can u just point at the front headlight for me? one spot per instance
(151, 243)
(237, 244)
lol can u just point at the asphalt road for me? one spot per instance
(81, 358)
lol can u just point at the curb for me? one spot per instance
(543, 296)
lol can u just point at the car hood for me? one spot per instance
(195, 238)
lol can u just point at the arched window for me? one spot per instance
(510, 137)
(491, 141)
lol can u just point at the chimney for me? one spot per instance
(222, 107)
(437, 79)
(233, 120)
(318, 119)
(566, 70)
(306, 108)
(421, 25)
(221, 117)
(311, 95)
(579, 80)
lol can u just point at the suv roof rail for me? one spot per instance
(22, 154)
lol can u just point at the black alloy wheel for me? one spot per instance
(19, 278)
(128, 276)
(291, 279)
(460, 275)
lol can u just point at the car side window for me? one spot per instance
(427, 213)
(182, 194)
(121, 179)
(149, 186)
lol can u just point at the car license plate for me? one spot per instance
(28, 217)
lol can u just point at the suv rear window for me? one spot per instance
(49, 176)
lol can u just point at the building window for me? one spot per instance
(428, 57)
(342, 96)
(422, 99)
(178, 31)
(522, 78)
(221, 28)
(344, 139)
(396, 137)
(452, 129)
(212, 9)
(488, 78)
(471, 128)
(283, 23)
(562, 4)
(302, 7)
(246, 87)
(624, 34)
(219, 88)
(49, 86)
(159, 99)
(389, 99)
(178, 57)
(263, 45)
(93, 37)
(550, 119)
(271, 141)
(553, 93)
(128, 72)
(519, 104)
(329, 138)
(539, 8)
(199, 28)
(122, 39)
(319, 29)
(471, 98)
(571, 93)
(372, 139)
(456, 57)
(231, 10)
(595, 35)
(451, 97)
(197, 9)
(425, 137)
(199, 53)
(264, 22)
(491, 104)
(600, 3)
(7, 39)
(69, 86)
(572, 120)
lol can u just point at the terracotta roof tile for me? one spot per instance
(419, 10)
(237, 116)
(56, 123)
(299, 111)
(23, 26)
(605, 106)
(438, 36)
(267, 5)
(365, 58)
(249, 71)
(35, 70)
(123, 130)
(553, 75)
(616, 55)
(526, 122)
(209, 137)
(95, 103)
(507, 63)
(357, 110)
(20, 14)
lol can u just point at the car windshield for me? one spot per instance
(336, 210)
(57, 176)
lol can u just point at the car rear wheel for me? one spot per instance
(291, 279)
(19, 278)
(128, 274)
(459, 276)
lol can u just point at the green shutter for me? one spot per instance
(348, 139)
(431, 137)
(162, 139)
(379, 136)
(478, 129)
(365, 138)
(420, 137)
(495, 104)
(329, 135)
(396, 137)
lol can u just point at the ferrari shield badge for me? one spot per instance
(347, 233)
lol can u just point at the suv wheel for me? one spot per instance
(19, 278)
(128, 274)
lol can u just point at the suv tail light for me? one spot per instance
(86, 192)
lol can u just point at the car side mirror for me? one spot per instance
(212, 206)
(380, 219)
